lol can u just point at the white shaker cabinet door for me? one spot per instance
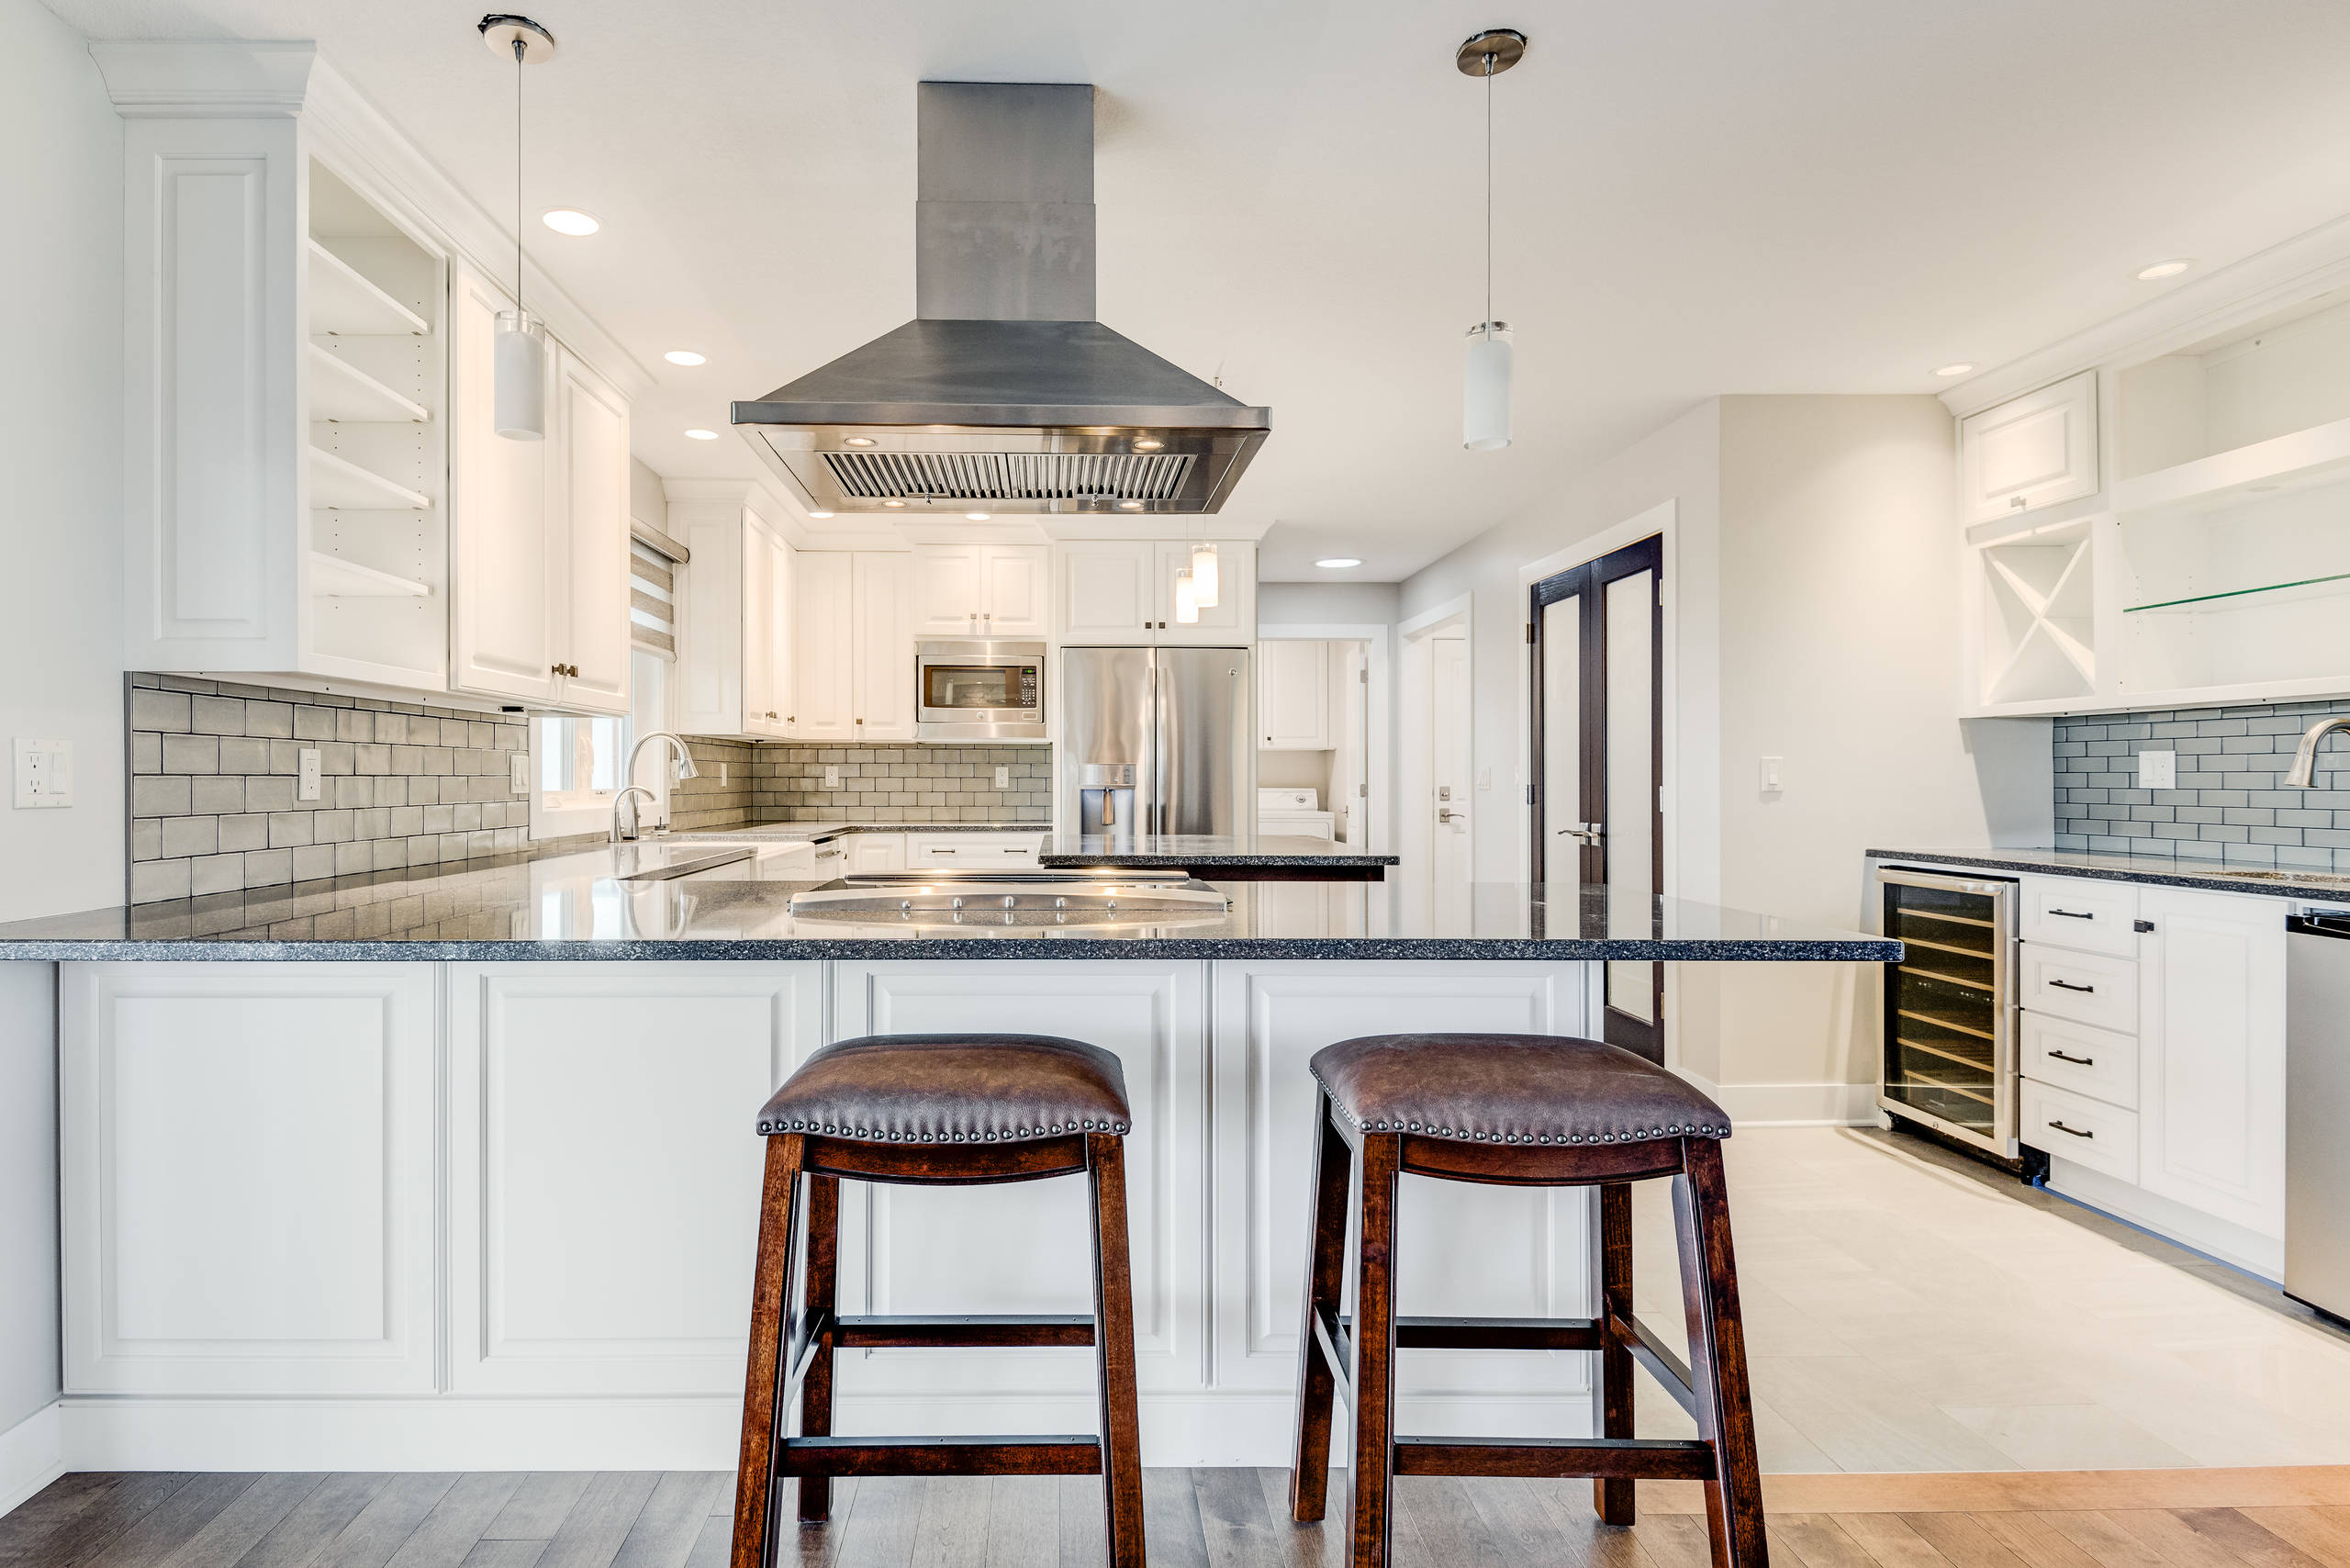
(592, 420)
(605, 1174)
(1015, 590)
(1461, 1250)
(248, 1178)
(760, 714)
(1232, 618)
(502, 528)
(823, 701)
(2211, 1054)
(2029, 452)
(883, 678)
(1293, 696)
(1109, 591)
(947, 592)
(1028, 1247)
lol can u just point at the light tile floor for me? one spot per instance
(1908, 1309)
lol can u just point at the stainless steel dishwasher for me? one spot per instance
(2317, 1107)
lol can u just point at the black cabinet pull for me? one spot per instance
(2076, 1061)
(2074, 1131)
(2074, 914)
(2068, 985)
(2141, 926)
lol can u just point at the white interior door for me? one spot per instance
(1448, 779)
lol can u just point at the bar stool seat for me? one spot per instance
(1529, 1111)
(940, 1110)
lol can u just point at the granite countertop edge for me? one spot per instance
(1070, 859)
(2053, 862)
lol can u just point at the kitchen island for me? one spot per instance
(458, 1170)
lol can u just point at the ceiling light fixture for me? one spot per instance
(1148, 443)
(978, 515)
(1205, 580)
(519, 357)
(1962, 368)
(856, 441)
(1484, 388)
(2162, 270)
(569, 220)
(1130, 505)
(686, 356)
(820, 516)
(1338, 563)
(703, 436)
(893, 501)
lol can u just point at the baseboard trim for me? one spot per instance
(32, 1454)
(2228, 1242)
(1792, 1104)
(1240, 1427)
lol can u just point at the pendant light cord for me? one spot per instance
(519, 52)
(1489, 194)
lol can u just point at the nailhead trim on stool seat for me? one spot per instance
(930, 1089)
(1511, 1089)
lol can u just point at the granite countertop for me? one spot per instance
(1203, 852)
(809, 832)
(568, 904)
(2167, 870)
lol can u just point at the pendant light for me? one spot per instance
(1485, 378)
(1206, 581)
(519, 356)
(1186, 600)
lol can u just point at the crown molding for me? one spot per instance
(206, 78)
(2242, 291)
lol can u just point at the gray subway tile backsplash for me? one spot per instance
(2231, 804)
(783, 781)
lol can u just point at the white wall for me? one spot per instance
(61, 406)
(1327, 604)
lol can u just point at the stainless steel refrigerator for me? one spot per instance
(1155, 741)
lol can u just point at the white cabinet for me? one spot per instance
(741, 610)
(874, 852)
(2029, 452)
(2212, 1054)
(604, 1178)
(539, 530)
(2077, 912)
(2087, 988)
(882, 674)
(1293, 696)
(826, 658)
(981, 590)
(1015, 850)
(1124, 591)
(248, 1155)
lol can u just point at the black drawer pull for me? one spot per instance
(2074, 1131)
(2076, 1061)
(2068, 985)
(2073, 913)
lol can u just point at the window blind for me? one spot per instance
(651, 599)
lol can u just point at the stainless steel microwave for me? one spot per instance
(978, 691)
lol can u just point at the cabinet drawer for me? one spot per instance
(2095, 1062)
(2086, 1131)
(971, 849)
(2088, 988)
(2092, 917)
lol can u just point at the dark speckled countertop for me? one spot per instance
(2165, 869)
(568, 904)
(1203, 854)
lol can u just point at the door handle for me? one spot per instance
(1590, 833)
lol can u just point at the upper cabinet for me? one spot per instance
(2029, 452)
(1293, 696)
(1123, 591)
(981, 590)
(856, 645)
(737, 672)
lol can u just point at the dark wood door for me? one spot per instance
(1597, 635)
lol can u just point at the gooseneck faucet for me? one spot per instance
(624, 821)
(2304, 771)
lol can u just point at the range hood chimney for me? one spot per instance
(1004, 393)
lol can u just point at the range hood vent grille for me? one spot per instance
(1005, 477)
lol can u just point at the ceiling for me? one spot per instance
(1695, 196)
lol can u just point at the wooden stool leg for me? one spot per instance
(754, 1475)
(1374, 1367)
(1717, 1356)
(819, 1294)
(1612, 1499)
(1114, 1350)
(1309, 1475)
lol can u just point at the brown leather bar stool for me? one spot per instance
(957, 1110)
(1523, 1111)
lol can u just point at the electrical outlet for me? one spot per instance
(518, 774)
(2159, 770)
(44, 774)
(1484, 778)
(831, 778)
(1003, 778)
(722, 773)
(306, 786)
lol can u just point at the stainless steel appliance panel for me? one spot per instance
(1948, 1058)
(1106, 723)
(2317, 1101)
(1200, 763)
(979, 689)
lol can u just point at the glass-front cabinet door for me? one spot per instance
(1949, 1007)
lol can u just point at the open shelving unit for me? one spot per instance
(331, 577)
(2039, 636)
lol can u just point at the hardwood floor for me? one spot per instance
(1196, 1518)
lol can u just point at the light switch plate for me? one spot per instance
(517, 772)
(1770, 778)
(2159, 770)
(306, 785)
(1003, 778)
(44, 774)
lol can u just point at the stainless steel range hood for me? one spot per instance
(1004, 393)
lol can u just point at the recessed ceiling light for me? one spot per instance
(820, 516)
(569, 220)
(978, 515)
(1130, 505)
(893, 501)
(2161, 270)
(1148, 443)
(856, 441)
(703, 436)
(1339, 563)
(686, 356)
(1961, 368)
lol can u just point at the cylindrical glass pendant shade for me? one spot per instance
(520, 401)
(1205, 580)
(1186, 600)
(1485, 388)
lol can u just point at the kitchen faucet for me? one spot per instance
(2304, 772)
(625, 820)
